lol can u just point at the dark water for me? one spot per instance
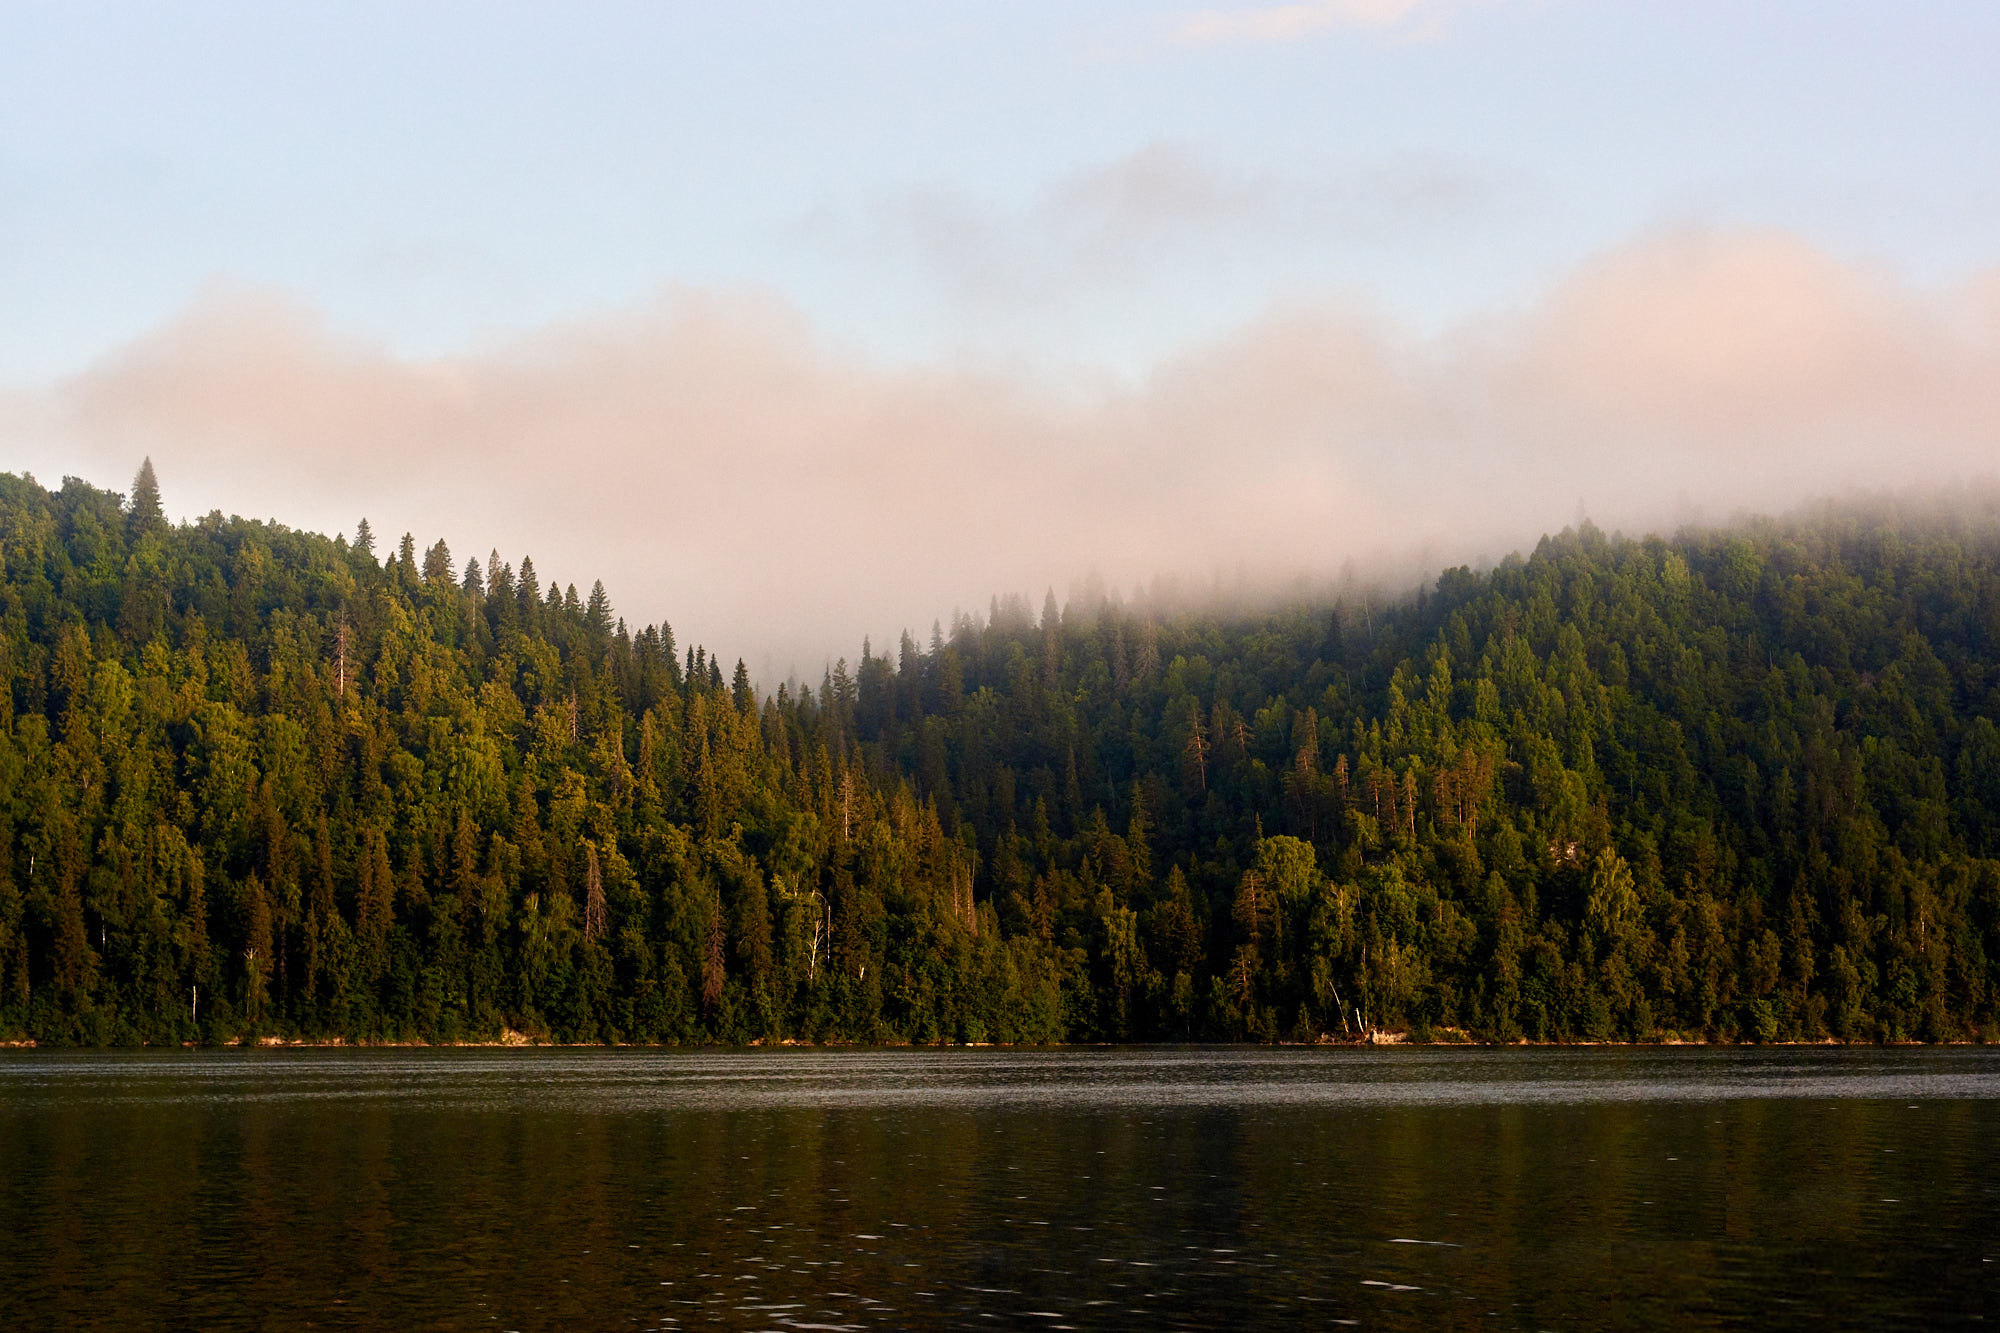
(1184, 1188)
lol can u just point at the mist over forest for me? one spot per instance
(722, 461)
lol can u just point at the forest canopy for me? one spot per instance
(1741, 784)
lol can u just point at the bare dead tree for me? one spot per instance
(1195, 752)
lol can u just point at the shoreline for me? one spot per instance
(1374, 1040)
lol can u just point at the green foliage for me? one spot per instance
(1739, 784)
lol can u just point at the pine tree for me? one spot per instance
(320, 910)
(70, 950)
(1051, 641)
(593, 894)
(144, 514)
(712, 974)
(437, 564)
(373, 905)
(1138, 838)
(597, 614)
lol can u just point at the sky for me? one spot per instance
(799, 322)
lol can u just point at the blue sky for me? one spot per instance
(918, 178)
(799, 321)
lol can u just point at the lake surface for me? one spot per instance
(1198, 1188)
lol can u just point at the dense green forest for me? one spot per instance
(1740, 784)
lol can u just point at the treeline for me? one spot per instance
(1738, 785)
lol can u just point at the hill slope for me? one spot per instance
(1738, 784)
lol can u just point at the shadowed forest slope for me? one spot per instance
(1738, 784)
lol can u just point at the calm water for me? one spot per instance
(1183, 1188)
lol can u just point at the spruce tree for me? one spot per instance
(143, 513)
(598, 612)
(437, 564)
(528, 590)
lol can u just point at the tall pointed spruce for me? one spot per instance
(143, 512)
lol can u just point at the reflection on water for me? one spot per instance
(1182, 1188)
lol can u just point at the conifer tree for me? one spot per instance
(597, 614)
(593, 894)
(144, 514)
(437, 565)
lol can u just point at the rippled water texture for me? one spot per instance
(1101, 1188)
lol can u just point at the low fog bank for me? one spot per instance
(720, 465)
(1969, 509)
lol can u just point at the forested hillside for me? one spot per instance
(1741, 784)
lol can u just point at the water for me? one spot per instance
(979, 1189)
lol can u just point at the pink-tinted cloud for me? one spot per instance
(1307, 18)
(720, 464)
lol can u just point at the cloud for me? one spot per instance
(1285, 23)
(721, 464)
(1093, 227)
(1160, 183)
(1134, 224)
